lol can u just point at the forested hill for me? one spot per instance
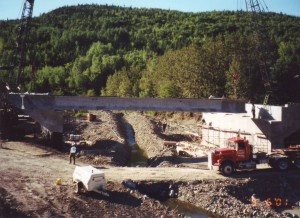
(109, 50)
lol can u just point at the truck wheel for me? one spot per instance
(78, 187)
(227, 169)
(297, 163)
(283, 164)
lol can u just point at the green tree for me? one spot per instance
(1, 44)
(51, 79)
(233, 78)
(287, 72)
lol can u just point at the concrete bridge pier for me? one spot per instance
(50, 119)
(51, 122)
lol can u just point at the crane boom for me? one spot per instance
(22, 37)
(257, 8)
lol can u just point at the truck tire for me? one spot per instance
(283, 164)
(78, 187)
(297, 163)
(227, 169)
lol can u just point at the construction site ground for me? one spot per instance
(29, 171)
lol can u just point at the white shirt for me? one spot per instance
(73, 150)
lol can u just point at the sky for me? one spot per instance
(12, 9)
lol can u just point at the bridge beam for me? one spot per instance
(47, 102)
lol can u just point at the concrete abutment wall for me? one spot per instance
(270, 129)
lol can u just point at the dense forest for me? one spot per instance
(114, 51)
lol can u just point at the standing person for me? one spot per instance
(164, 126)
(72, 153)
(253, 110)
(1, 141)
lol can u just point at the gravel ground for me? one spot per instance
(232, 197)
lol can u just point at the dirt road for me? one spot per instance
(29, 174)
(36, 163)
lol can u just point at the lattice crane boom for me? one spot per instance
(256, 7)
(22, 37)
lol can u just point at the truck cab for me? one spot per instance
(237, 155)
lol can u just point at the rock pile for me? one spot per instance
(232, 197)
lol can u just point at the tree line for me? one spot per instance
(115, 51)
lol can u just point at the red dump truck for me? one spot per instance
(239, 155)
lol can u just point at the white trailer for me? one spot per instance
(89, 178)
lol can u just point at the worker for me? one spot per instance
(254, 200)
(164, 125)
(1, 140)
(72, 153)
(253, 110)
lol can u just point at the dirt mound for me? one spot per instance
(102, 140)
(105, 140)
(145, 135)
(103, 128)
(150, 136)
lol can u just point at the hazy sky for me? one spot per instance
(11, 9)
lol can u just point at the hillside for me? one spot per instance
(92, 49)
